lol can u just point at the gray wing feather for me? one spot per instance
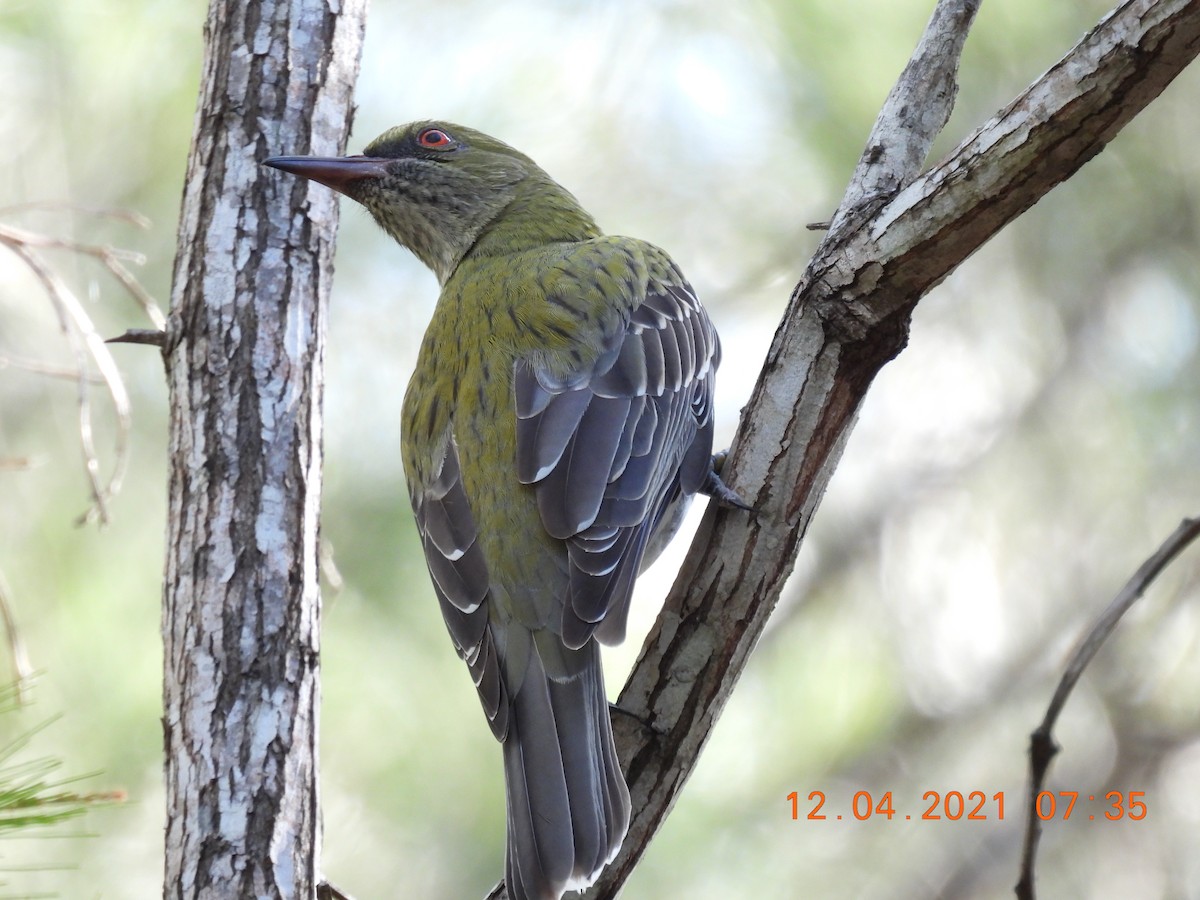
(574, 489)
(608, 447)
(627, 377)
(542, 438)
(460, 581)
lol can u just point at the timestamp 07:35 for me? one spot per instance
(974, 806)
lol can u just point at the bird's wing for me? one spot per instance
(609, 446)
(460, 580)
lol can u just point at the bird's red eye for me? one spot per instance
(435, 139)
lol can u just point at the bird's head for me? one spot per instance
(445, 190)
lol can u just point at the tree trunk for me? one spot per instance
(244, 354)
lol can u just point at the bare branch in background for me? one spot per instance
(17, 463)
(47, 369)
(87, 346)
(130, 216)
(22, 671)
(113, 259)
(1042, 748)
(77, 326)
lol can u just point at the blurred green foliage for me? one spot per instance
(1035, 442)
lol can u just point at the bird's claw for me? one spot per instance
(717, 489)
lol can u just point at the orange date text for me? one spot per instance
(973, 806)
(970, 806)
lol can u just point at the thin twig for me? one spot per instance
(40, 368)
(155, 337)
(137, 292)
(133, 217)
(14, 234)
(82, 336)
(84, 340)
(112, 258)
(334, 582)
(17, 655)
(1042, 748)
(18, 463)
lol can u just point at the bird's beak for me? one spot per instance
(337, 172)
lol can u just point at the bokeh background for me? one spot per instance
(1035, 442)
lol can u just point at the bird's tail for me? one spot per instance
(568, 806)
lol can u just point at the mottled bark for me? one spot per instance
(243, 350)
(897, 235)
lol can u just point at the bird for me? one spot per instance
(558, 421)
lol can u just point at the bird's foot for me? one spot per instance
(717, 489)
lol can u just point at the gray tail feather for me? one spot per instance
(568, 806)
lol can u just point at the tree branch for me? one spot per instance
(1042, 748)
(848, 316)
(913, 115)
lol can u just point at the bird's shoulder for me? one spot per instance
(571, 287)
(575, 301)
(608, 272)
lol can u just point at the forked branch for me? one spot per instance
(848, 316)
